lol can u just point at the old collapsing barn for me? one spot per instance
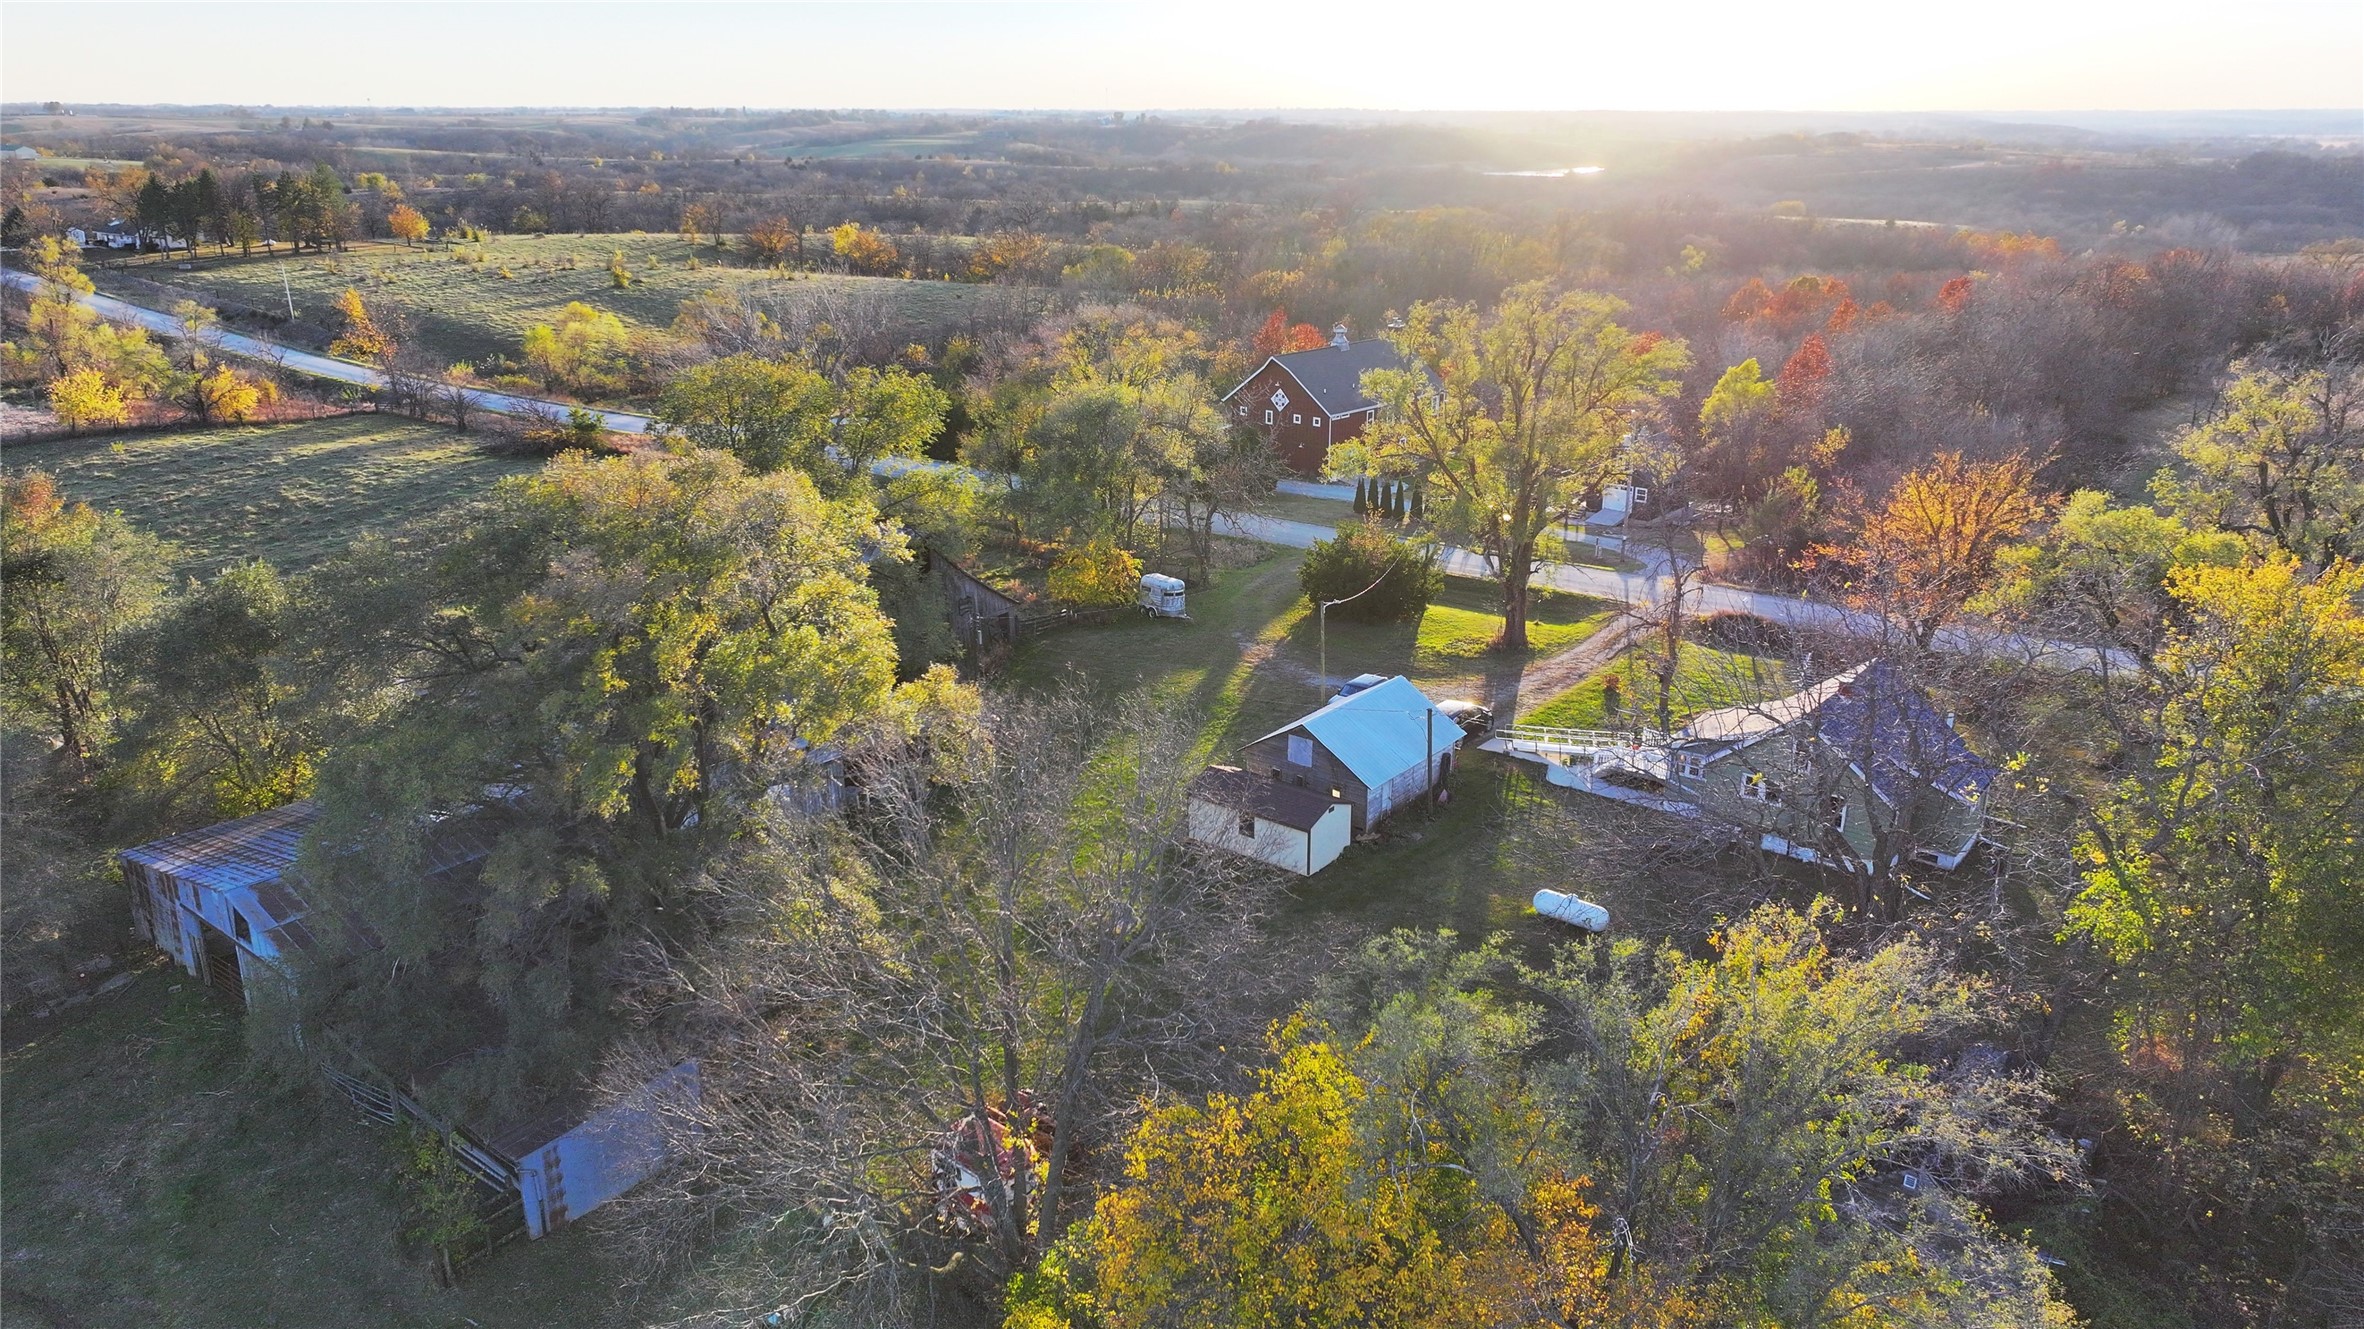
(225, 904)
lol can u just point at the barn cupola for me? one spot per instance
(1338, 337)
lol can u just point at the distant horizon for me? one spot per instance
(2021, 59)
(423, 108)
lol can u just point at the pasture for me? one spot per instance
(473, 301)
(289, 494)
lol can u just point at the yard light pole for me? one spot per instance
(1321, 615)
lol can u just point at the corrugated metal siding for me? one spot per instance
(614, 1150)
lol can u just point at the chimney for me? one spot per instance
(1338, 336)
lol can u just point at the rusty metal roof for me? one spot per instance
(232, 854)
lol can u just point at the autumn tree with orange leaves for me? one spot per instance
(1920, 554)
(1279, 337)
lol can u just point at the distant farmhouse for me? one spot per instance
(121, 234)
(1307, 400)
(1858, 771)
(223, 902)
(1301, 792)
(18, 152)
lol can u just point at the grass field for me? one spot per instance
(1704, 679)
(290, 494)
(152, 1180)
(1246, 663)
(469, 311)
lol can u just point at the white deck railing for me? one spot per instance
(1576, 742)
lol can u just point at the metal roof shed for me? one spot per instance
(1387, 744)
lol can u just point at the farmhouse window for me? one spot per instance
(1694, 766)
(1641, 495)
(1300, 750)
(1755, 785)
(1838, 812)
(1247, 824)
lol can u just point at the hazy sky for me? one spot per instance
(1454, 55)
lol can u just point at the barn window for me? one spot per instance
(1300, 750)
(1317, 422)
(1296, 419)
(1243, 409)
(1268, 417)
(1247, 824)
(1336, 793)
(238, 926)
(1641, 495)
(1838, 812)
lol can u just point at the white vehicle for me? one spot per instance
(1161, 596)
(1568, 909)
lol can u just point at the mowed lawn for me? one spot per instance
(290, 494)
(153, 1179)
(1705, 678)
(468, 311)
(1246, 664)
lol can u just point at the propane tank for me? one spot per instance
(1568, 909)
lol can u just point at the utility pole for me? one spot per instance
(1321, 614)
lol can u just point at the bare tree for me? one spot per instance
(985, 966)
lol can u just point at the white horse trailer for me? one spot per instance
(1161, 596)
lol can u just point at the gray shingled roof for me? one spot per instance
(1880, 713)
(1873, 716)
(1334, 374)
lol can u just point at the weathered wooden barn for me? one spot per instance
(224, 902)
(1375, 750)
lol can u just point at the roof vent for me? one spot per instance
(1846, 689)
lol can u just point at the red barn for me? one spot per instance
(1306, 400)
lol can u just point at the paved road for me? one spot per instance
(318, 366)
(1623, 587)
(1639, 588)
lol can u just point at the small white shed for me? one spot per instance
(1292, 828)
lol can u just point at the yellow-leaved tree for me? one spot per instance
(362, 338)
(406, 224)
(1095, 575)
(85, 397)
(586, 351)
(230, 396)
